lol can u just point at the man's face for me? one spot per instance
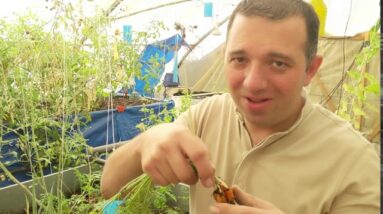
(265, 67)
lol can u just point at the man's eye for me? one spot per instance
(279, 64)
(239, 60)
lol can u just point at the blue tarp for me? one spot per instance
(158, 53)
(106, 127)
(122, 124)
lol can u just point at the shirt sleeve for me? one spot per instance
(196, 116)
(360, 189)
(186, 119)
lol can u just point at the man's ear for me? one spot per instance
(312, 69)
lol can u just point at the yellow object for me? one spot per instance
(321, 10)
(115, 52)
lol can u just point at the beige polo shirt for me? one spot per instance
(319, 165)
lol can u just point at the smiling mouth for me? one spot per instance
(257, 100)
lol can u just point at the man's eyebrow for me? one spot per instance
(281, 56)
(237, 53)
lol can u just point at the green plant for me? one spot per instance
(89, 199)
(165, 116)
(361, 84)
(52, 75)
(140, 195)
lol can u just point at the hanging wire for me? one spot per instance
(149, 9)
(217, 25)
(339, 84)
(110, 103)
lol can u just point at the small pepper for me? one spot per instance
(222, 193)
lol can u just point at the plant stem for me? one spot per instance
(13, 179)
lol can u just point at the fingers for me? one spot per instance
(246, 204)
(199, 156)
(167, 151)
(156, 169)
(223, 208)
(158, 178)
(161, 165)
(167, 173)
(182, 168)
(244, 198)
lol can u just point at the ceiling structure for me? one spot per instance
(344, 17)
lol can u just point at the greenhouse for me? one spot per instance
(96, 95)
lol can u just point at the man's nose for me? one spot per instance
(255, 79)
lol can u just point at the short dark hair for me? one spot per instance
(280, 9)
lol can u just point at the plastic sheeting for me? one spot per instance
(339, 56)
(121, 124)
(153, 61)
(205, 74)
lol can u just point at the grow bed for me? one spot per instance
(105, 127)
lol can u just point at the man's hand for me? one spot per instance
(247, 204)
(167, 151)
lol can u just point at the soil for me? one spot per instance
(124, 101)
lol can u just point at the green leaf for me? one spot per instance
(348, 88)
(353, 74)
(374, 89)
(358, 111)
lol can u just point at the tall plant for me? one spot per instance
(361, 84)
(140, 195)
(51, 75)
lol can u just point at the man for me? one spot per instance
(265, 137)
